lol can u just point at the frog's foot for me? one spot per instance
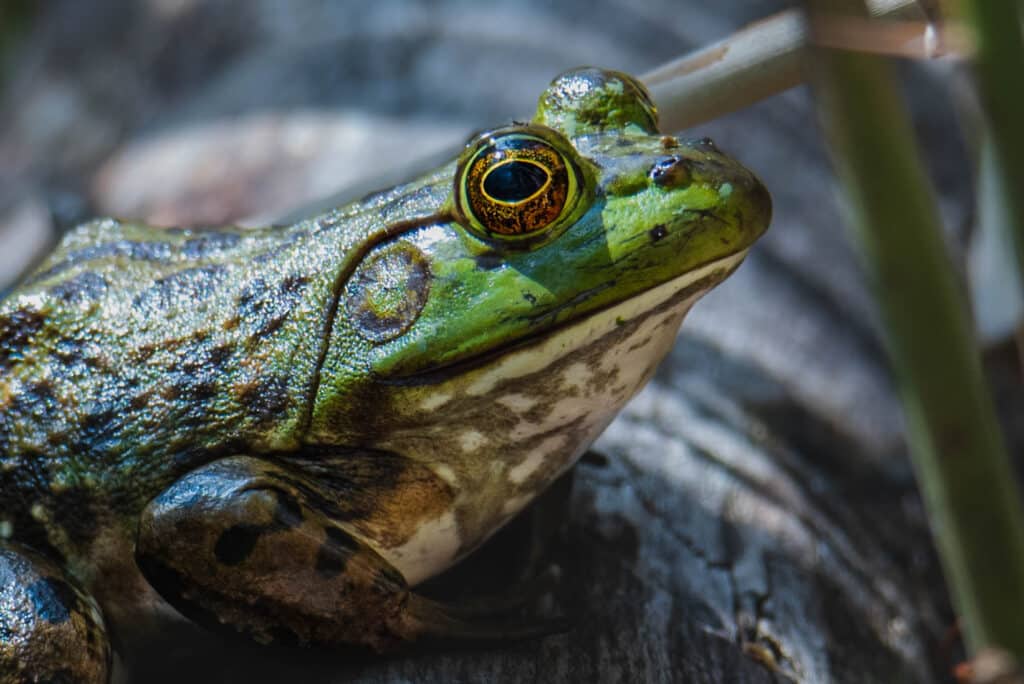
(50, 629)
(252, 546)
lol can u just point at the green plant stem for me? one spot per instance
(999, 62)
(961, 463)
(756, 62)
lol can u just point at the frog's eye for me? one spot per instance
(518, 183)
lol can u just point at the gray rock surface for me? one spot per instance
(755, 520)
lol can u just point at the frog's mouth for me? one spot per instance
(630, 311)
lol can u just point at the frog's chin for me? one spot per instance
(501, 431)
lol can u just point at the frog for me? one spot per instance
(281, 432)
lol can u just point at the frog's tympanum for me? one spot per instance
(279, 431)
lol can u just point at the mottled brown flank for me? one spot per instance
(16, 332)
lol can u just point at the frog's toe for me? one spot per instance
(50, 629)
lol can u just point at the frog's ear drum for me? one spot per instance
(519, 185)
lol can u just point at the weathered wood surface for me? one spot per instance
(755, 520)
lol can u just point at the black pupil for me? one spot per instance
(514, 181)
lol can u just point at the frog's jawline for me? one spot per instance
(707, 276)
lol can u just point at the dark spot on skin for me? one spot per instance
(184, 288)
(199, 391)
(529, 297)
(271, 326)
(84, 287)
(41, 393)
(333, 555)
(139, 401)
(658, 232)
(98, 420)
(52, 599)
(97, 435)
(209, 243)
(69, 351)
(266, 399)
(236, 543)
(220, 354)
(264, 309)
(294, 284)
(16, 332)
(252, 300)
(489, 261)
(144, 352)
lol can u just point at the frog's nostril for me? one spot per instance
(670, 172)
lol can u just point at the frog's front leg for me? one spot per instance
(261, 549)
(50, 629)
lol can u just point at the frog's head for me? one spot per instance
(564, 236)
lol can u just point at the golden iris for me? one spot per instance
(516, 183)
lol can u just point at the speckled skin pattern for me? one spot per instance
(279, 430)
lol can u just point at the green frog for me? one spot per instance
(280, 431)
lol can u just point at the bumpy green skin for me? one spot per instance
(138, 361)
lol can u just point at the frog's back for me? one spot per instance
(134, 353)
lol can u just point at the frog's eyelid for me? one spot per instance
(473, 137)
(480, 134)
